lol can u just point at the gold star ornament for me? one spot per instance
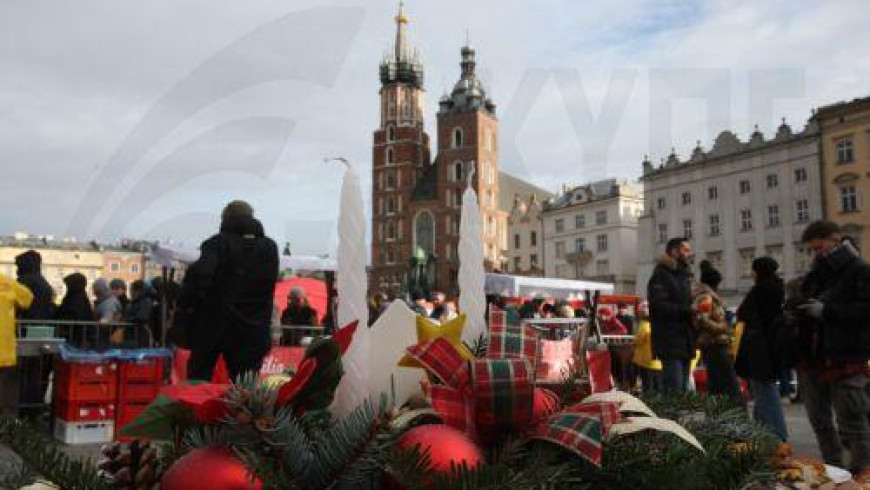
(428, 330)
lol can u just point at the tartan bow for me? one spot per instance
(490, 396)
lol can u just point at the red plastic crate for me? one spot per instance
(94, 391)
(79, 372)
(138, 391)
(149, 369)
(84, 411)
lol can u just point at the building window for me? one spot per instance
(391, 180)
(848, 199)
(601, 242)
(660, 203)
(744, 187)
(663, 233)
(601, 218)
(579, 245)
(114, 267)
(713, 193)
(580, 221)
(747, 255)
(560, 225)
(391, 257)
(687, 229)
(533, 239)
(715, 258)
(602, 267)
(134, 268)
(800, 174)
(533, 260)
(773, 216)
(382, 256)
(458, 137)
(801, 257)
(458, 173)
(517, 240)
(687, 198)
(391, 205)
(516, 264)
(457, 198)
(391, 133)
(390, 156)
(560, 250)
(845, 153)
(746, 220)
(714, 225)
(448, 252)
(772, 181)
(391, 230)
(802, 210)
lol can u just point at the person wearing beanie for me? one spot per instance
(29, 271)
(225, 306)
(833, 371)
(757, 360)
(714, 335)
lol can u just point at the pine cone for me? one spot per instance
(132, 467)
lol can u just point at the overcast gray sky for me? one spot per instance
(142, 118)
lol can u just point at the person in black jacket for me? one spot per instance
(228, 295)
(140, 311)
(29, 272)
(833, 370)
(756, 358)
(670, 302)
(76, 307)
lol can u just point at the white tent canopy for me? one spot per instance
(171, 255)
(520, 286)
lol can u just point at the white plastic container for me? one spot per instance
(83, 432)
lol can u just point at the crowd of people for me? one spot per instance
(817, 325)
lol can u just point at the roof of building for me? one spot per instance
(843, 106)
(510, 186)
(593, 191)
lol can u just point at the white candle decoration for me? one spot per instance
(472, 275)
(352, 284)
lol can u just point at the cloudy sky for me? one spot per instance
(142, 118)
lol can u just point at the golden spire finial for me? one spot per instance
(401, 18)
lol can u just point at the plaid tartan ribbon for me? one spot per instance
(508, 338)
(454, 408)
(441, 359)
(581, 428)
(503, 394)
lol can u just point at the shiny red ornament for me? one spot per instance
(545, 403)
(444, 444)
(209, 468)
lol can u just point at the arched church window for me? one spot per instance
(391, 180)
(458, 173)
(391, 230)
(458, 137)
(424, 232)
(390, 156)
(391, 204)
(391, 133)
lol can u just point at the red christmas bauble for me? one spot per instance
(545, 404)
(445, 445)
(209, 468)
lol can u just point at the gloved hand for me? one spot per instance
(813, 308)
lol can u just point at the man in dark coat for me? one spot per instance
(76, 307)
(670, 302)
(834, 373)
(29, 266)
(229, 292)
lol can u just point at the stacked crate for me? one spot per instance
(139, 382)
(85, 394)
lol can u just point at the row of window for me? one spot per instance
(601, 245)
(802, 215)
(802, 257)
(533, 262)
(533, 240)
(745, 186)
(845, 150)
(116, 267)
(580, 221)
(576, 271)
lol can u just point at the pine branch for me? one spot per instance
(43, 456)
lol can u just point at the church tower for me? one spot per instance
(468, 140)
(400, 155)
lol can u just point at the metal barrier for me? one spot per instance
(296, 335)
(85, 335)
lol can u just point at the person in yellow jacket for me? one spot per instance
(648, 368)
(13, 297)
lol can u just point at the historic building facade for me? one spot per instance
(845, 134)
(526, 237)
(417, 200)
(736, 202)
(590, 232)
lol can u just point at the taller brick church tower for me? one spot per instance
(417, 202)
